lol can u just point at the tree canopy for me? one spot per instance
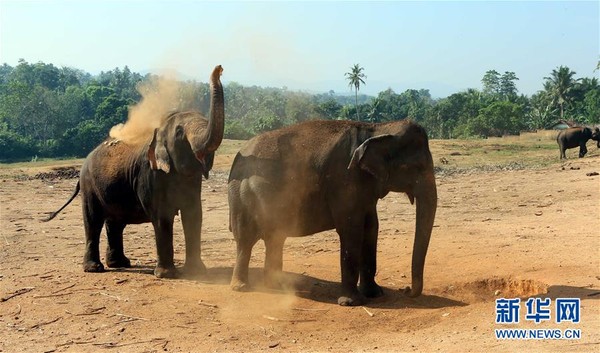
(50, 111)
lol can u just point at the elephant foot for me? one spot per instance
(409, 292)
(371, 290)
(120, 261)
(240, 286)
(194, 268)
(353, 300)
(93, 266)
(275, 280)
(165, 272)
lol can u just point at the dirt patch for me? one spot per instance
(56, 173)
(490, 289)
(489, 241)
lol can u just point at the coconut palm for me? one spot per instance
(560, 85)
(355, 77)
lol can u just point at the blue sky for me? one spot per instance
(443, 46)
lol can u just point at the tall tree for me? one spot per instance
(560, 85)
(491, 82)
(508, 88)
(355, 78)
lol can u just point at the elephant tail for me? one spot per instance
(53, 214)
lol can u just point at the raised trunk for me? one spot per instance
(216, 119)
(426, 198)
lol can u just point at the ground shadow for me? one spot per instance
(324, 291)
(143, 269)
(561, 291)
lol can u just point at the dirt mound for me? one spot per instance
(57, 173)
(490, 289)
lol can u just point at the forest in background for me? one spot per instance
(49, 111)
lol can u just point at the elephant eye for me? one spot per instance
(179, 131)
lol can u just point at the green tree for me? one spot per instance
(560, 85)
(497, 119)
(491, 82)
(355, 78)
(329, 109)
(508, 87)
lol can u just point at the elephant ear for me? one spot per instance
(158, 155)
(370, 156)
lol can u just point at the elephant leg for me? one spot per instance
(191, 217)
(245, 234)
(582, 150)
(93, 220)
(368, 265)
(274, 260)
(351, 240)
(163, 231)
(115, 256)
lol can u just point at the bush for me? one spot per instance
(14, 147)
(235, 130)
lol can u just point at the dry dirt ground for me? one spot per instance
(513, 233)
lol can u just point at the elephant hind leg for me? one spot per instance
(93, 220)
(115, 255)
(582, 150)
(246, 236)
(273, 275)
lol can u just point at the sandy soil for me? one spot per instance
(513, 233)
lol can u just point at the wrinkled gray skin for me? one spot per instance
(322, 175)
(129, 184)
(576, 137)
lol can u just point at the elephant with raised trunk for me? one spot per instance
(124, 183)
(320, 175)
(576, 137)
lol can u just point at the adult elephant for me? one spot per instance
(125, 183)
(574, 137)
(320, 175)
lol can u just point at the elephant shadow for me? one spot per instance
(320, 290)
(563, 291)
(141, 269)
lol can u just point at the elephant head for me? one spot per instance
(186, 142)
(402, 162)
(596, 136)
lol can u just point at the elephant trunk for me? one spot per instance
(209, 141)
(425, 193)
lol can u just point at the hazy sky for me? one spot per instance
(443, 46)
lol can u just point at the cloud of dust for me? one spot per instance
(160, 95)
(259, 306)
(244, 51)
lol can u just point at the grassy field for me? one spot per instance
(529, 150)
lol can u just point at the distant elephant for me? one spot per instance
(576, 136)
(151, 182)
(320, 175)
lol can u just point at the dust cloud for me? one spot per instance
(160, 95)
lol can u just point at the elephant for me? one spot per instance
(319, 175)
(124, 183)
(576, 136)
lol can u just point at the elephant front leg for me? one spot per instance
(350, 250)
(191, 217)
(163, 231)
(115, 256)
(368, 264)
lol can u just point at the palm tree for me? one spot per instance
(560, 84)
(355, 78)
